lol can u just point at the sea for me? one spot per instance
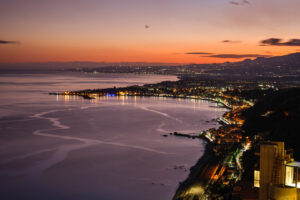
(109, 148)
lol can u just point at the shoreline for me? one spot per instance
(202, 164)
(84, 96)
(201, 173)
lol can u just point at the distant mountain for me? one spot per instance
(293, 59)
(287, 66)
(279, 63)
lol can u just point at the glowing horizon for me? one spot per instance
(161, 31)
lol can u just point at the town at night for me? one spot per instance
(152, 100)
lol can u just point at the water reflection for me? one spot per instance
(195, 104)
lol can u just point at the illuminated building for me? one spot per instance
(277, 177)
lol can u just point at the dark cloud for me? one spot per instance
(198, 53)
(246, 2)
(237, 56)
(239, 3)
(9, 42)
(279, 42)
(234, 3)
(231, 41)
(271, 41)
(292, 42)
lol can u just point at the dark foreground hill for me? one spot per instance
(276, 117)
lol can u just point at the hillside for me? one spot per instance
(287, 66)
(276, 117)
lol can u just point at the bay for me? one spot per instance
(55, 147)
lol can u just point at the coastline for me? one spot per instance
(88, 97)
(200, 173)
(203, 174)
(199, 168)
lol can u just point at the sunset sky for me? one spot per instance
(172, 31)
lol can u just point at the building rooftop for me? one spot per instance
(293, 164)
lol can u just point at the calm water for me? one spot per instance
(55, 147)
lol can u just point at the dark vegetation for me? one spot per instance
(277, 117)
